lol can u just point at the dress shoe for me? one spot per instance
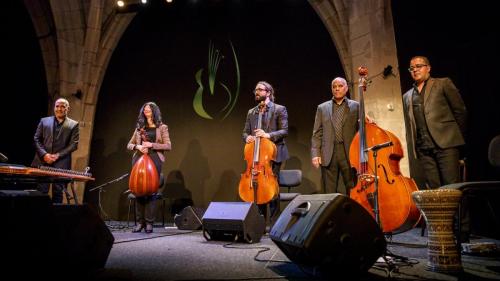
(149, 228)
(138, 228)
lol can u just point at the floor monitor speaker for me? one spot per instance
(233, 221)
(189, 218)
(85, 238)
(330, 232)
(49, 238)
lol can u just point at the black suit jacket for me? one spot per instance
(275, 124)
(324, 133)
(444, 111)
(70, 133)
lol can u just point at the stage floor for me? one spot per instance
(172, 254)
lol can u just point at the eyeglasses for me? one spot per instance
(259, 90)
(417, 66)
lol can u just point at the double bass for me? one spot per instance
(258, 183)
(381, 188)
(144, 178)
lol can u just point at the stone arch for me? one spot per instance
(77, 39)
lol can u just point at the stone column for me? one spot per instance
(363, 33)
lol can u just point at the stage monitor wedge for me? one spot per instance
(42, 239)
(189, 218)
(329, 231)
(233, 221)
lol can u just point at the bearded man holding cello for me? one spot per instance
(274, 127)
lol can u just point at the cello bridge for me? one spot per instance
(255, 172)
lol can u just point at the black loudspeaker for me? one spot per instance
(42, 239)
(189, 218)
(85, 237)
(233, 221)
(331, 232)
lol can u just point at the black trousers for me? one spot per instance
(339, 167)
(440, 166)
(57, 190)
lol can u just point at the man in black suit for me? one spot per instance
(274, 127)
(335, 125)
(436, 115)
(56, 137)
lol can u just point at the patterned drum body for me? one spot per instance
(438, 207)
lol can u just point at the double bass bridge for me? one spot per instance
(366, 179)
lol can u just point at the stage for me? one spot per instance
(172, 254)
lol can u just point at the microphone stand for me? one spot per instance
(376, 209)
(375, 193)
(375, 149)
(101, 211)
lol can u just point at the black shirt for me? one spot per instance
(57, 142)
(424, 139)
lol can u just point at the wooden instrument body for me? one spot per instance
(381, 188)
(258, 183)
(144, 178)
(397, 211)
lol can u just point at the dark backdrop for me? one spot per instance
(283, 42)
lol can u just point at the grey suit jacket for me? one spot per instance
(323, 135)
(444, 111)
(70, 133)
(276, 125)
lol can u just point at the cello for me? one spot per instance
(258, 183)
(144, 179)
(381, 188)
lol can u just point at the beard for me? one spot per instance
(260, 98)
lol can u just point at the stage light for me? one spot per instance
(144, 1)
(120, 3)
(169, 1)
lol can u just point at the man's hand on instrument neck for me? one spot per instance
(262, 134)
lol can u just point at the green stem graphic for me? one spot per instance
(198, 97)
(235, 98)
(214, 59)
(229, 96)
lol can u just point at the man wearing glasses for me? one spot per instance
(274, 126)
(436, 115)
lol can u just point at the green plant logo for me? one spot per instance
(214, 58)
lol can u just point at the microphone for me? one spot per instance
(379, 146)
(3, 158)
